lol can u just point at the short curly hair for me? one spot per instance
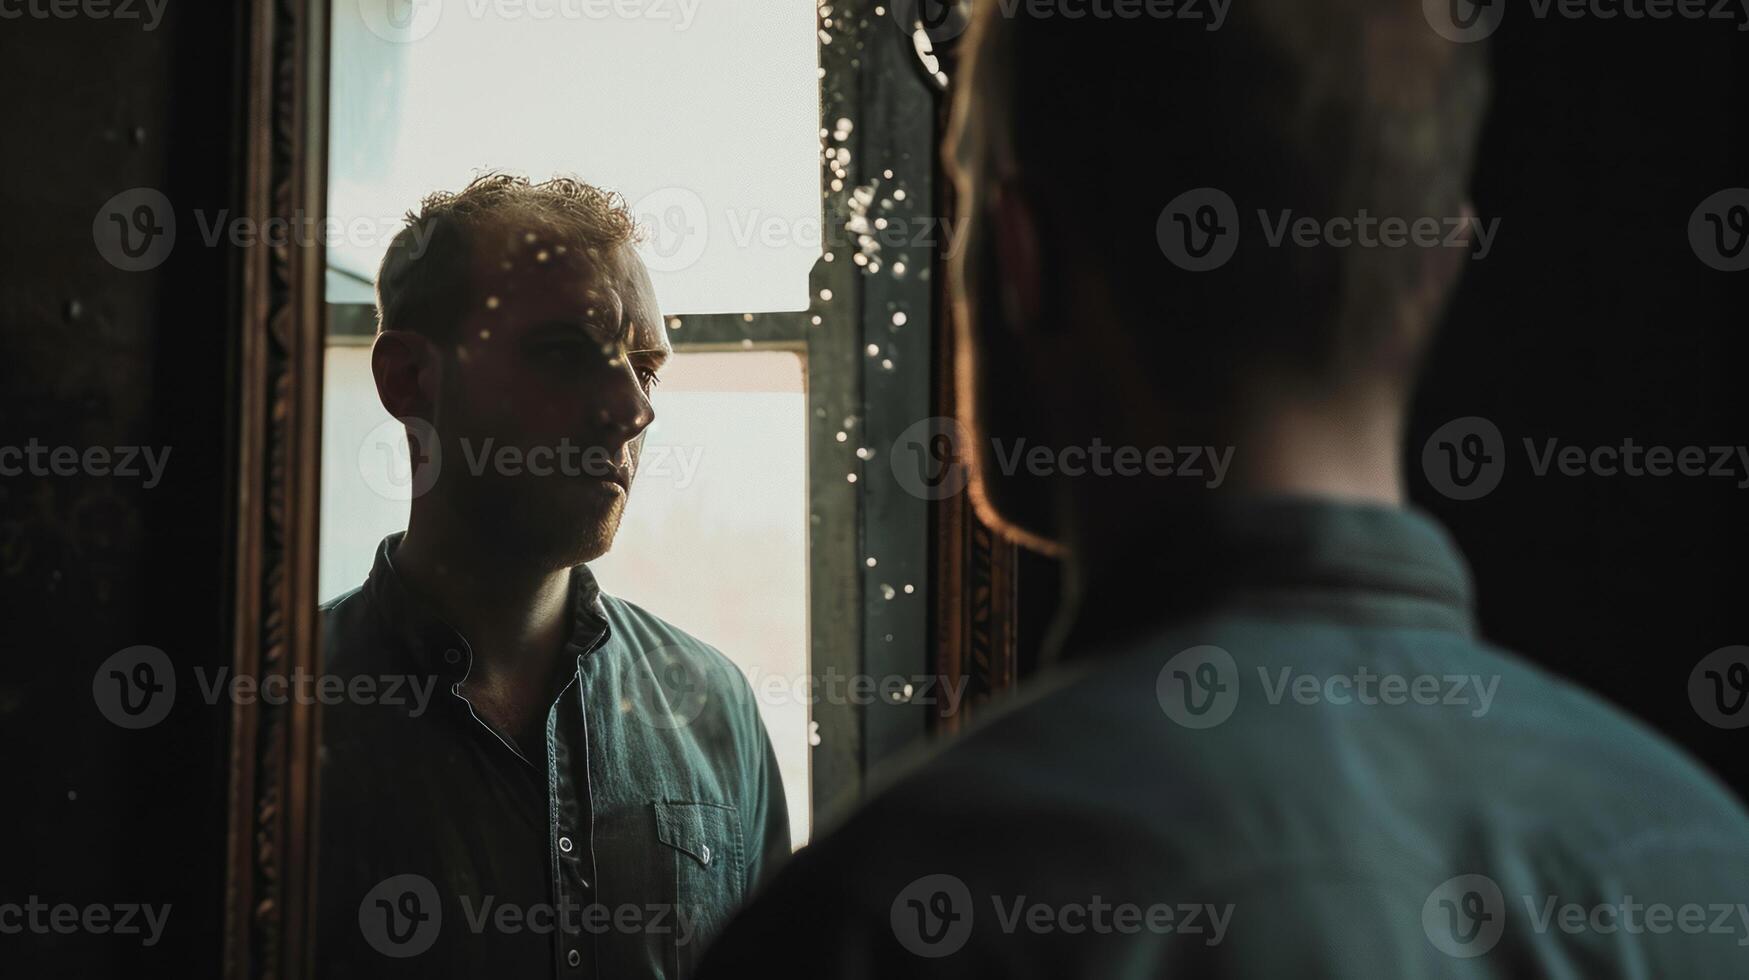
(425, 277)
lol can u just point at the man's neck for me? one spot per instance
(516, 621)
(1346, 451)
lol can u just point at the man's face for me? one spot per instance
(546, 393)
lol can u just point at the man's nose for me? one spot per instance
(625, 407)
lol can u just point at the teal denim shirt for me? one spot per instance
(618, 851)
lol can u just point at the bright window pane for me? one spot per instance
(705, 115)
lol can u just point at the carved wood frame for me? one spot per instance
(282, 76)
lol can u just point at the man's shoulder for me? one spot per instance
(674, 656)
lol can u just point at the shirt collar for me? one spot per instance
(434, 645)
(1360, 563)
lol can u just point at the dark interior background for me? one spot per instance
(1592, 321)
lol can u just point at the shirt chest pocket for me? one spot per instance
(702, 843)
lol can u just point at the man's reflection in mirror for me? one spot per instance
(528, 777)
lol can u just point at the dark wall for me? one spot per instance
(92, 355)
(1595, 321)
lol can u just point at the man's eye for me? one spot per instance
(648, 377)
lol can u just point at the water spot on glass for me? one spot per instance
(830, 257)
(860, 259)
(909, 588)
(871, 561)
(542, 255)
(874, 350)
(817, 321)
(887, 174)
(851, 477)
(826, 295)
(485, 335)
(843, 436)
(813, 733)
(887, 364)
(888, 592)
(899, 195)
(747, 344)
(850, 421)
(865, 453)
(491, 302)
(747, 317)
(909, 690)
(899, 269)
(674, 323)
(528, 237)
(900, 318)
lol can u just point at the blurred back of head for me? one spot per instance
(1328, 109)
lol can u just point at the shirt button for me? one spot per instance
(452, 656)
(704, 854)
(565, 844)
(574, 958)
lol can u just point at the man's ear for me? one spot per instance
(1014, 230)
(405, 365)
